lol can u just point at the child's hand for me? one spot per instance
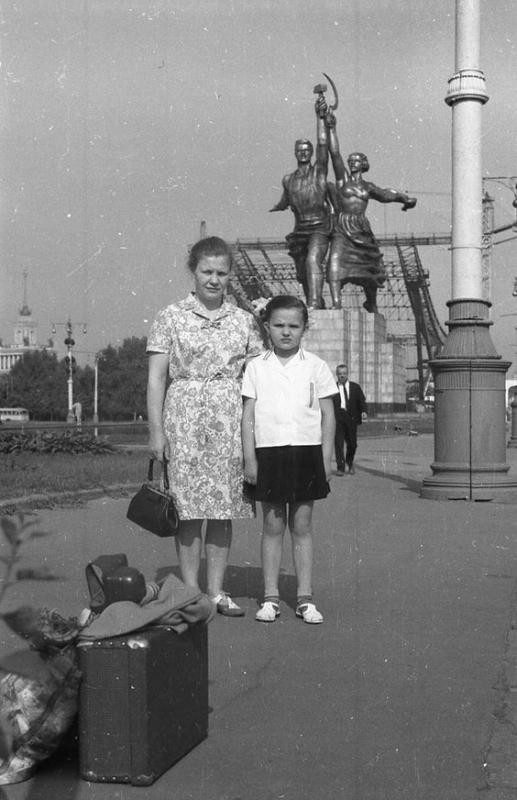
(328, 468)
(250, 472)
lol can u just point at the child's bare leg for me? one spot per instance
(271, 547)
(300, 525)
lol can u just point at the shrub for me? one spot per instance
(45, 442)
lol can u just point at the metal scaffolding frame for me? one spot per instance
(263, 269)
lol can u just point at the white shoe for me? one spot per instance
(309, 613)
(268, 611)
(225, 605)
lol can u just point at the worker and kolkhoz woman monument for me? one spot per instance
(331, 217)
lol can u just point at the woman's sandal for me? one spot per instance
(269, 610)
(309, 613)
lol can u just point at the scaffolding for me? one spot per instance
(263, 269)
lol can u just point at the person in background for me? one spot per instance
(202, 344)
(350, 410)
(287, 433)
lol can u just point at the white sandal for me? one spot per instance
(309, 613)
(225, 605)
(268, 611)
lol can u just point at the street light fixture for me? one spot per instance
(69, 361)
(98, 357)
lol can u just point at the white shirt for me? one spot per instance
(342, 387)
(287, 409)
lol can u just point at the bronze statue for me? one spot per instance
(305, 193)
(354, 253)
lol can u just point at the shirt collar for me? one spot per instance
(191, 303)
(299, 356)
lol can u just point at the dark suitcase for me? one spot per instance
(143, 703)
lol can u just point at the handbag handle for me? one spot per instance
(165, 474)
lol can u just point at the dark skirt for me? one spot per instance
(356, 251)
(290, 474)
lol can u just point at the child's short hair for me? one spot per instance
(286, 301)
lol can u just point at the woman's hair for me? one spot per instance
(285, 301)
(210, 246)
(365, 164)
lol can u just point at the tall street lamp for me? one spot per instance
(70, 362)
(469, 376)
(98, 357)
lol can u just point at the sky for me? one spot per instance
(124, 124)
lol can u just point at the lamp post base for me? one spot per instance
(463, 484)
(470, 427)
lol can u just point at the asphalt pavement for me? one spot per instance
(403, 693)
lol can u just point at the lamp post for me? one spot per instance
(469, 376)
(70, 363)
(96, 390)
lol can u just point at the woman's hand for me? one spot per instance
(250, 471)
(158, 445)
(409, 202)
(330, 119)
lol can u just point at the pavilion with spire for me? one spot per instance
(25, 335)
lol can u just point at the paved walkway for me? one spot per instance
(402, 694)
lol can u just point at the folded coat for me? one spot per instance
(176, 606)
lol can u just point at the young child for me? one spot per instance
(288, 435)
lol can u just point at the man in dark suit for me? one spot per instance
(350, 410)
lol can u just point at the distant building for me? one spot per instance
(25, 336)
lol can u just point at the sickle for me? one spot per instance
(336, 98)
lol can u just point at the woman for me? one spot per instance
(354, 253)
(202, 343)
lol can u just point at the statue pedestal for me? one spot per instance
(327, 336)
(358, 339)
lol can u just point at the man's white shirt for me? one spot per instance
(342, 387)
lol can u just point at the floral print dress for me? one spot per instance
(203, 405)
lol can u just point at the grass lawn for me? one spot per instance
(23, 474)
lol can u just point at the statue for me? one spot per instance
(354, 253)
(305, 193)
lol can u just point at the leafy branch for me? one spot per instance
(17, 531)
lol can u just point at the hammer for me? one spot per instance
(320, 89)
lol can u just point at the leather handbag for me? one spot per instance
(153, 509)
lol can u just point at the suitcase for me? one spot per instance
(143, 703)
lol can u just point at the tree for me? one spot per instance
(123, 380)
(38, 383)
(84, 381)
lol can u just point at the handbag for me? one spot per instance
(153, 509)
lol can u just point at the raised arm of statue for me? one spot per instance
(322, 147)
(340, 170)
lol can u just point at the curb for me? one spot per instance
(52, 499)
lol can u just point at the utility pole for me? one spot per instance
(489, 229)
(487, 245)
